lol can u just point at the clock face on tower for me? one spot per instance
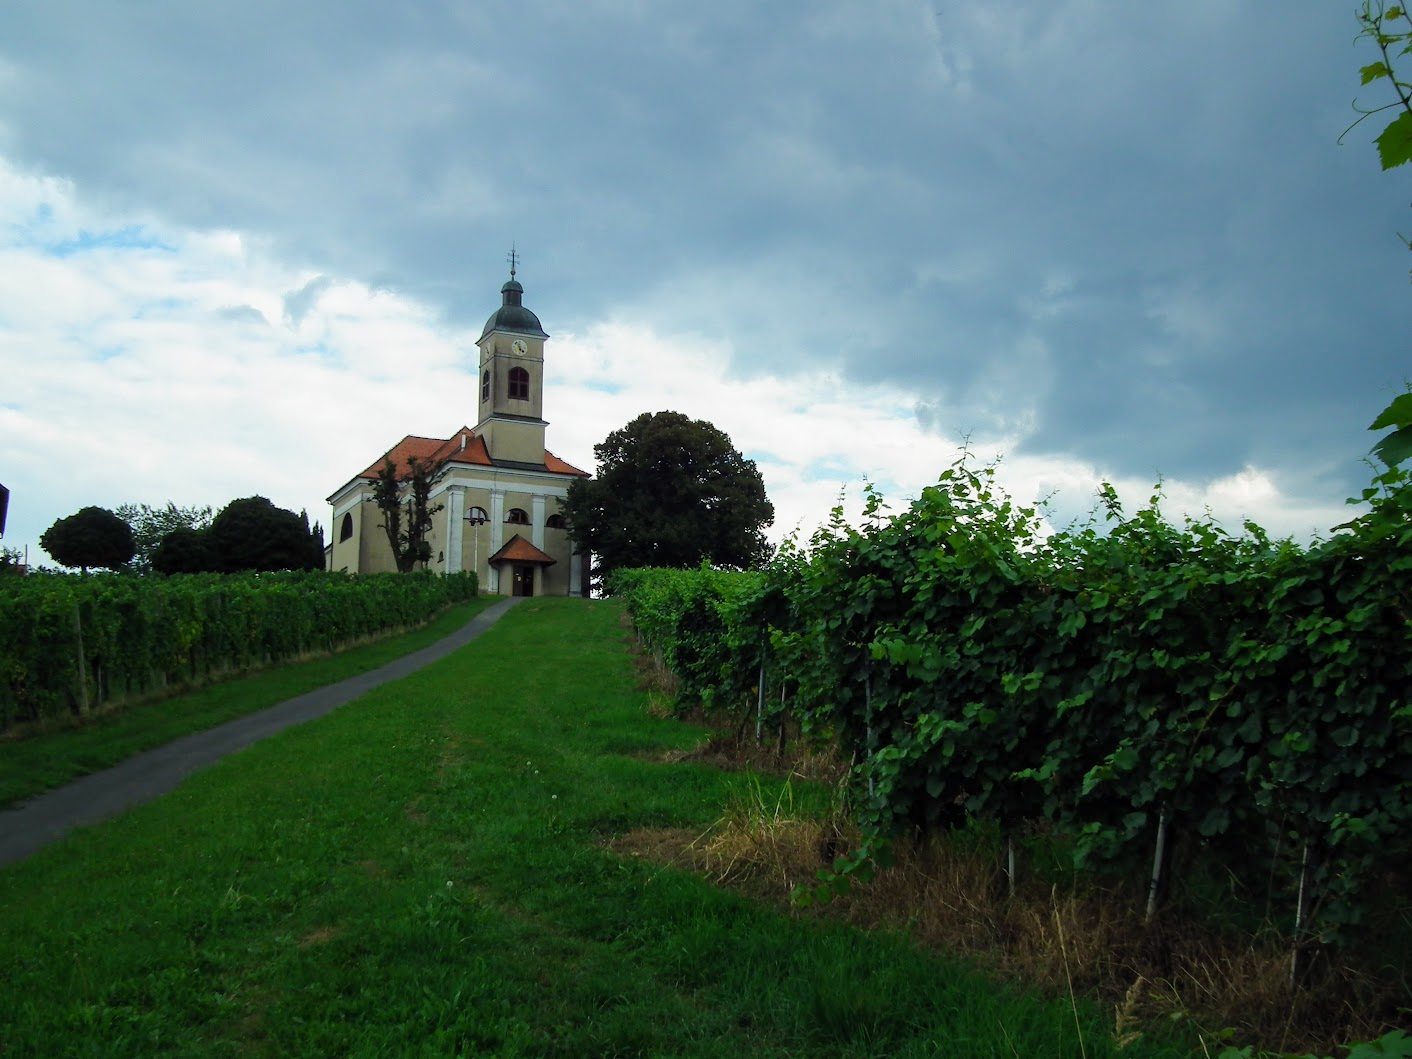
(518, 347)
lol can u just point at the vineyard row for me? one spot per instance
(1129, 684)
(73, 643)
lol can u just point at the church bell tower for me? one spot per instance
(511, 407)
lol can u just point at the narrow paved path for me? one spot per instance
(29, 827)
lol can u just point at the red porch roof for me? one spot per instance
(519, 550)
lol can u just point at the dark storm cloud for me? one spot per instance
(1133, 233)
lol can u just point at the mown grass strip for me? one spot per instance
(424, 873)
(39, 762)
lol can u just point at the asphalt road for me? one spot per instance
(32, 825)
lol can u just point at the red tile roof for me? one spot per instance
(558, 466)
(519, 550)
(453, 450)
(404, 451)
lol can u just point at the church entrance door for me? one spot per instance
(524, 579)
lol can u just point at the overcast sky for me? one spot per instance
(246, 247)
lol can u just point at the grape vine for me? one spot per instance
(1136, 684)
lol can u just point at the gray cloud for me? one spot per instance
(297, 303)
(245, 314)
(1134, 236)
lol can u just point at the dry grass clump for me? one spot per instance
(1091, 943)
(951, 893)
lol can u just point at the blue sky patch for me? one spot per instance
(132, 237)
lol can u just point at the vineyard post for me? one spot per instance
(782, 721)
(82, 666)
(868, 720)
(1010, 863)
(1298, 957)
(1159, 863)
(760, 703)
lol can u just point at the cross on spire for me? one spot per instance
(513, 258)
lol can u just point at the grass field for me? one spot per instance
(425, 872)
(48, 759)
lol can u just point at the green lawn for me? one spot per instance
(37, 763)
(424, 873)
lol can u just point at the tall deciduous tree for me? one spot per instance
(151, 524)
(670, 491)
(185, 551)
(93, 536)
(253, 534)
(405, 503)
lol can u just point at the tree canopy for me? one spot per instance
(93, 536)
(407, 521)
(184, 551)
(150, 525)
(670, 491)
(253, 534)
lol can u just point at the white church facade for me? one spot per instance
(501, 491)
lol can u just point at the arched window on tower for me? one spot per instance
(345, 530)
(485, 387)
(519, 384)
(554, 522)
(517, 516)
(477, 516)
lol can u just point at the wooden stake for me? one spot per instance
(760, 704)
(780, 749)
(82, 666)
(1298, 958)
(868, 715)
(1159, 863)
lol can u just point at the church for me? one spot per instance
(501, 490)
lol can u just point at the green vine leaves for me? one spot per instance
(1390, 30)
(1246, 693)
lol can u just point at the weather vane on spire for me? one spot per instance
(513, 258)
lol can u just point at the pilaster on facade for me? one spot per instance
(576, 574)
(455, 521)
(497, 532)
(537, 520)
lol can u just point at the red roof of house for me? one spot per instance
(464, 446)
(519, 550)
(558, 466)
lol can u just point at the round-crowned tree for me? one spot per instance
(185, 551)
(670, 491)
(93, 536)
(254, 534)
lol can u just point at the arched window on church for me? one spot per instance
(485, 387)
(477, 516)
(345, 531)
(519, 384)
(517, 516)
(554, 522)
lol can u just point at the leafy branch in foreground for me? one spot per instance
(1390, 29)
(1382, 25)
